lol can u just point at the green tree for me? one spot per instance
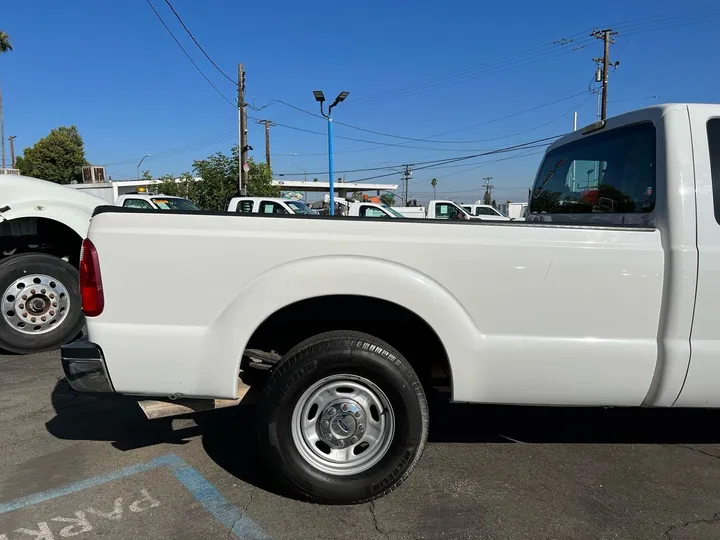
(146, 175)
(59, 157)
(388, 198)
(5, 47)
(218, 182)
(493, 203)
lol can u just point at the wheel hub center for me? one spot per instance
(342, 424)
(37, 305)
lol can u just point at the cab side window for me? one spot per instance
(245, 207)
(137, 203)
(271, 207)
(713, 131)
(371, 211)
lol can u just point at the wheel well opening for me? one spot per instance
(394, 324)
(39, 235)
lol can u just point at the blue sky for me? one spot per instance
(415, 69)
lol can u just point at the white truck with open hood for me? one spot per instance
(613, 282)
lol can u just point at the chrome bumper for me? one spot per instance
(84, 367)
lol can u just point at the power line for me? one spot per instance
(522, 146)
(198, 44)
(188, 56)
(429, 140)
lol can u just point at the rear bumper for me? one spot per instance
(84, 367)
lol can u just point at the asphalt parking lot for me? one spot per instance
(81, 466)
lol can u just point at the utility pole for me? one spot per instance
(267, 124)
(242, 121)
(607, 37)
(12, 150)
(488, 190)
(406, 177)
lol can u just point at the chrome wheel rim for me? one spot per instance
(343, 425)
(35, 304)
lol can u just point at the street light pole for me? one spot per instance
(320, 98)
(140, 163)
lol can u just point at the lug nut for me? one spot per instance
(328, 436)
(354, 440)
(21, 306)
(345, 407)
(25, 314)
(331, 411)
(325, 423)
(32, 291)
(32, 319)
(361, 427)
(52, 313)
(357, 414)
(52, 295)
(24, 296)
(42, 291)
(341, 443)
(43, 318)
(54, 304)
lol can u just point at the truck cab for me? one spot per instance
(146, 201)
(485, 212)
(269, 205)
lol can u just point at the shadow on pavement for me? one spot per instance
(229, 436)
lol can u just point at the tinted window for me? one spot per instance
(446, 211)
(611, 173)
(484, 211)
(371, 211)
(137, 203)
(246, 207)
(713, 129)
(271, 207)
(174, 204)
(300, 207)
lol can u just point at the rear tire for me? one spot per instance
(344, 419)
(43, 320)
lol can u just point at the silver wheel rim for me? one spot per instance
(35, 304)
(343, 425)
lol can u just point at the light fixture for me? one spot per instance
(319, 96)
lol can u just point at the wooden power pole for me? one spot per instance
(267, 124)
(607, 37)
(487, 198)
(242, 121)
(12, 150)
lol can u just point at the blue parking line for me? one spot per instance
(203, 491)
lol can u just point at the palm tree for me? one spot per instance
(4, 48)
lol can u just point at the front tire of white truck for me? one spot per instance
(344, 419)
(40, 303)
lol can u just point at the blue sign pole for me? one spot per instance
(330, 166)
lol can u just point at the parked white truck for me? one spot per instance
(438, 209)
(614, 287)
(42, 225)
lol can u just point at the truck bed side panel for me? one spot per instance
(527, 314)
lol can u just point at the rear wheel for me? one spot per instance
(40, 303)
(344, 418)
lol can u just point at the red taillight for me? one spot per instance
(93, 300)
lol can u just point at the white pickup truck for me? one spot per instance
(269, 205)
(438, 209)
(614, 281)
(485, 212)
(42, 225)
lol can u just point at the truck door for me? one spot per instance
(702, 384)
